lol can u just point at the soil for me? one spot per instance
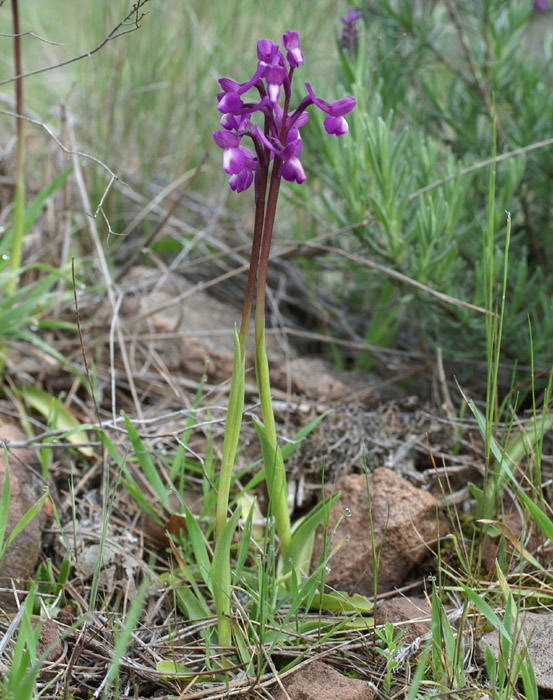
(403, 442)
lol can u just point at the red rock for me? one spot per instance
(21, 557)
(411, 616)
(538, 632)
(404, 520)
(319, 681)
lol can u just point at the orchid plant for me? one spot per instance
(272, 152)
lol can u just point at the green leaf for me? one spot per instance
(27, 517)
(220, 576)
(147, 463)
(198, 545)
(63, 419)
(299, 552)
(275, 477)
(5, 502)
(172, 670)
(232, 433)
(193, 606)
(543, 522)
(486, 611)
(342, 602)
(129, 482)
(287, 449)
(34, 208)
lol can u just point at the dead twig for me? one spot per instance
(114, 34)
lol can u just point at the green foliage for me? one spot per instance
(447, 652)
(23, 309)
(4, 512)
(232, 432)
(512, 659)
(390, 639)
(411, 179)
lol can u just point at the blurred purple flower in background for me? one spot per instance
(542, 5)
(279, 140)
(350, 33)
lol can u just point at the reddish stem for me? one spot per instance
(254, 258)
(18, 70)
(270, 213)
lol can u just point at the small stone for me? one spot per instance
(410, 614)
(319, 681)
(26, 488)
(403, 520)
(49, 638)
(538, 628)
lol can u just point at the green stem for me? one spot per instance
(232, 434)
(275, 474)
(236, 397)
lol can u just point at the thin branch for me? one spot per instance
(482, 164)
(67, 151)
(397, 275)
(483, 89)
(35, 36)
(105, 273)
(81, 341)
(114, 34)
(191, 177)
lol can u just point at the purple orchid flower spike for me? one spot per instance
(278, 141)
(276, 154)
(350, 33)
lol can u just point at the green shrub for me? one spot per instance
(434, 77)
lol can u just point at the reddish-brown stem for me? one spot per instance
(270, 213)
(254, 259)
(18, 69)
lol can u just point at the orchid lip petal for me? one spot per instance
(239, 182)
(293, 171)
(274, 92)
(337, 126)
(233, 160)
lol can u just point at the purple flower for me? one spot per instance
(350, 33)
(233, 157)
(292, 169)
(335, 122)
(542, 5)
(229, 102)
(291, 43)
(279, 140)
(266, 50)
(239, 182)
(275, 74)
